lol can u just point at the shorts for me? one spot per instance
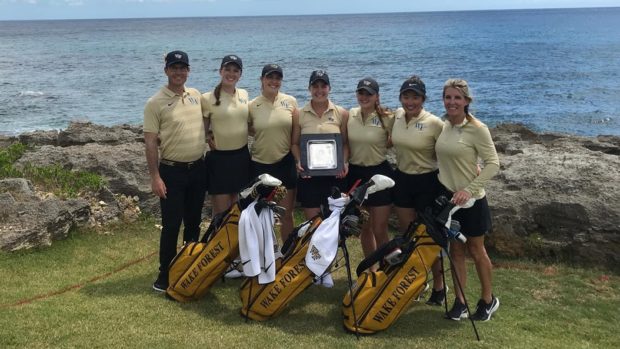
(228, 170)
(417, 191)
(313, 192)
(284, 170)
(476, 220)
(380, 198)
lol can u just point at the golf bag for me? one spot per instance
(262, 302)
(199, 264)
(294, 272)
(379, 298)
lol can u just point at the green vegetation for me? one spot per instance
(106, 301)
(54, 178)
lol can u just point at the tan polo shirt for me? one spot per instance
(273, 125)
(229, 120)
(329, 122)
(177, 120)
(368, 138)
(414, 141)
(458, 149)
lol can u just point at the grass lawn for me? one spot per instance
(94, 290)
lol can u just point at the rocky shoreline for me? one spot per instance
(556, 196)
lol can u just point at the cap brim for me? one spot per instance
(231, 62)
(175, 62)
(417, 91)
(273, 71)
(367, 89)
(319, 79)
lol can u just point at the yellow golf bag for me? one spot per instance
(262, 302)
(199, 264)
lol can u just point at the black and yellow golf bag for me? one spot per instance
(199, 264)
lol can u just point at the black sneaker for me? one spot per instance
(161, 284)
(437, 297)
(458, 311)
(484, 310)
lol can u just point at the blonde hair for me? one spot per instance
(463, 88)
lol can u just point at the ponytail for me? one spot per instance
(217, 92)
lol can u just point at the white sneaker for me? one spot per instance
(326, 281)
(233, 274)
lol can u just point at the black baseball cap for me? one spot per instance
(369, 85)
(319, 75)
(414, 84)
(176, 57)
(271, 68)
(232, 59)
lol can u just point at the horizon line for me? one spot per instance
(312, 14)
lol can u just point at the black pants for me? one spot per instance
(183, 204)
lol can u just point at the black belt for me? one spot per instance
(187, 165)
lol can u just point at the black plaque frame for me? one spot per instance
(316, 146)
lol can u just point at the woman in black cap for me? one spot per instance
(414, 135)
(273, 115)
(226, 123)
(320, 116)
(369, 128)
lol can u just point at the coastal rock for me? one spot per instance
(123, 166)
(27, 221)
(556, 196)
(81, 133)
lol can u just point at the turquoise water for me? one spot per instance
(554, 70)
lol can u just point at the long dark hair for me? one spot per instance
(217, 92)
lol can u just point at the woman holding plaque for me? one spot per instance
(369, 128)
(273, 116)
(320, 116)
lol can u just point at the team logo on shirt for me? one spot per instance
(331, 118)
(244, 101)
(284, 104)
(376, 121)
(419, 126)
(193, 100)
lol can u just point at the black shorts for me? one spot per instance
(313, 192)
(417, 191)
(381, 198)
(283, 170)
(228, 170)
(476, 220)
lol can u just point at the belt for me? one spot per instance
(187, 165)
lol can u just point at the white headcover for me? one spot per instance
(468, 204)
(324, 242)
(380, 182)
(264, 179)
(256, 239)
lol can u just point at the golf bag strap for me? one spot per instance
(379, 254)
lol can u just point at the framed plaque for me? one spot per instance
(321, 154)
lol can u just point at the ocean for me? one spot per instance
(555, 70)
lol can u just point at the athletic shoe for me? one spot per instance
(161, 284)
(458, 311)
(484, 310)
(437, 297)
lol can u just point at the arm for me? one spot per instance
(295, 136)
(152, 160)
(209, 133)
(345, 143)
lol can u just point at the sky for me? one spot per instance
(86, 9)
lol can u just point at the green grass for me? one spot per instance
(543, 306)
(62, 182)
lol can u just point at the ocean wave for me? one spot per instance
(29, 93)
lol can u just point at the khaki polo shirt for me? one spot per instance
(329, 122)
(177, 120)
(273, 125)
(229, 120)
(458, 149)
(368, 139)
(414, 141)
